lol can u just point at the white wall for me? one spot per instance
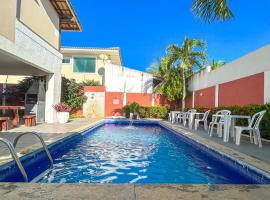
(253, 63)
(122, 79)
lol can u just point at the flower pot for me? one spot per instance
(62, 117)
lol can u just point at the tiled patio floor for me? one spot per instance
(10, 191)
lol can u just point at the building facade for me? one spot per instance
(30, 43)
(84, 64)
(120, 85)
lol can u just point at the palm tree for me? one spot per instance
(212, 10)
(216, 64)
(167, 80)
(185, 58)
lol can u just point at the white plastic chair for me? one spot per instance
(218, 121)
(203, 119)
(185, 116)
(253, 127)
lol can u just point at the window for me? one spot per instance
(84, 65)
(66, 60)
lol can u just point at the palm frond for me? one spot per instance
(212, 10)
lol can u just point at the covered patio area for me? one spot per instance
(11, 66)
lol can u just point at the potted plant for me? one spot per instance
(62, 112)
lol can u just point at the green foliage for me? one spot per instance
(74, 116)
(212, 10)
(146, 112)
(159, 112)
(72, 93)
(90, 83)
(172, 70)
(167, 80)
(216, 64)
(133, 107)
(247, 110)
(185, 58)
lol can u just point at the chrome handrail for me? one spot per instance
(42, 142)
(15, 157)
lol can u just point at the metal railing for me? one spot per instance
(12, 151)
(15, 157)
(42, 142)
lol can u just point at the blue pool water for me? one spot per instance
(115, 153)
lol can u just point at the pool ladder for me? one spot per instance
(12, 151)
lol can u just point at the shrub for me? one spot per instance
(61, 107)
(126, 110)
(72, 93)
(90, 83)
(131, 108)
(246, 110)
(160, 112)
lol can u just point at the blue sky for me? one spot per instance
(144, 28)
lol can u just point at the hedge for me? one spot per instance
(246, 110)
(146, 112)
(160, 112)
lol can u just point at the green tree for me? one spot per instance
(191, 54)
(167, 79)
(212, 10)
(216, 64)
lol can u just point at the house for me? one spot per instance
(82, 63)
(30, 43)
(120, 85)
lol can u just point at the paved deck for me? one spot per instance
(10, 191)
(49, 132)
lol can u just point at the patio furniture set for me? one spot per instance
(29, 120)
(223, 121)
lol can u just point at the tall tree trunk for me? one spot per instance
(184, 90)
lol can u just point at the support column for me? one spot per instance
(216, 95)
(124, 99)
(53, 95)
(267, 87)
(153, 99)
(193, 99)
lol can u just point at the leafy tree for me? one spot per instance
(212, 10)
(167, 79)
(216, 64)
(72, 93)
(191, 54)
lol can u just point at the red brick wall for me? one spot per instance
(205, 98)
(110, 108)
(244, 91)
(140, 98)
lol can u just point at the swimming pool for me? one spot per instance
(144, 153)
